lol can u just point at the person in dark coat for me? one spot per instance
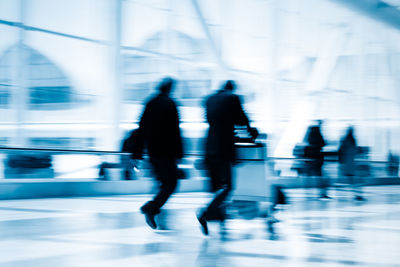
(313, 152)
(223, 112)
(159, 126)
(348, 151)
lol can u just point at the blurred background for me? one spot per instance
(74, 74)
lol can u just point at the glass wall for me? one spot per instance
(74, 74)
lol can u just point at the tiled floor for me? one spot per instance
(109, 231)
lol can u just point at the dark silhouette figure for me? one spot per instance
(223, 112)
(132, 144)
(315, 157)
(347, 153)
(393, 164)
(159, 126)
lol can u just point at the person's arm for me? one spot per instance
(323, 143)
(138, 135)
(179, 148)
(240, 115)
(242, 119)
(143, 118)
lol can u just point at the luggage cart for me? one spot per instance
(253, 195)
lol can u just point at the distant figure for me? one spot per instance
(223, 112)
(159, 126)
(348, 151)
(313, 152)
(393, 164)
(131, 144)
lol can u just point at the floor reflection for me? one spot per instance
(109, 231)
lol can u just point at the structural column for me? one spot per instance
(113, 95)
(20, 96)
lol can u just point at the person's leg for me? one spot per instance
(214, 186)
(323, 186)
(322, 182)
(168, 182)
(357, 188)
(314, 179)
(166, 173)
(223, 172)
(101, 170)
(350, 181)
(220, 172)
(127, 166)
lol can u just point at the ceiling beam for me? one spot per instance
(375, 9)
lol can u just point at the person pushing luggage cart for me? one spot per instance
(223, 112)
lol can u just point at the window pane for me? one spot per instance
(9, 10)
(88, 18)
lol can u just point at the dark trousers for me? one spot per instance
(314, 169)
(220, 172)
(166, 173)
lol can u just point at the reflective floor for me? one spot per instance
(109, 231)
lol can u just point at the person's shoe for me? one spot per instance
(150, 220)
(359, 198)
(203, 222)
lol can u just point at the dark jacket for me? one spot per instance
(347, 153)
(159, 126)
(223, 112)
(315, 143)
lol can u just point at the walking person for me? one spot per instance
(348, 151)
(313, 152)
(159, 127)
(223, 112)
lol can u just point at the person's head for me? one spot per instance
(229, 85)
(166, 85)
(350, 130)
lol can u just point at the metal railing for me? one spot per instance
(76, 163)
